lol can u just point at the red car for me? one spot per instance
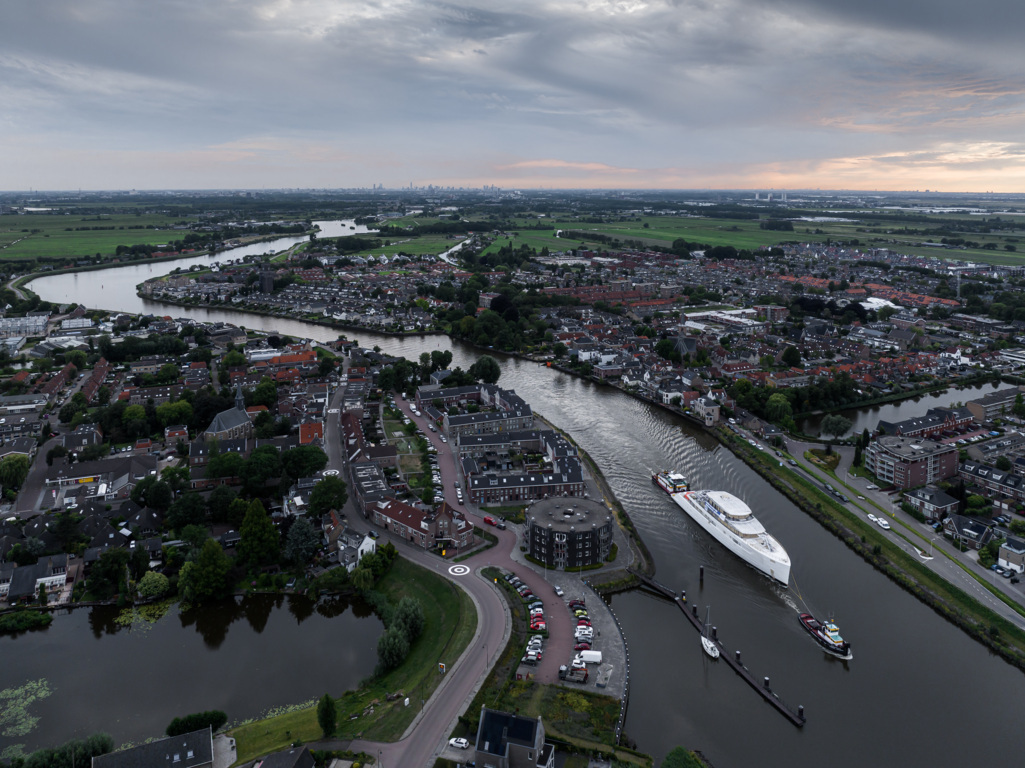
(583, 623)
(582, 647)
(490, 520)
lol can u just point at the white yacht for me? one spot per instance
(732, 524)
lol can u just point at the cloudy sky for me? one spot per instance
(873, 94)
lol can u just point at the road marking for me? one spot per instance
(330, 472)
(459, 570)
(332, 410)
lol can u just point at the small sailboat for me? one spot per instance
(707, 642)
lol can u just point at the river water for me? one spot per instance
(918, 691)
(241, 656)
(869, 418)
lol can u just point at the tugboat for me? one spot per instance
(827, 635)
(670, 482)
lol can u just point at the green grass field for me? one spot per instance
(46, 237)
(450, 624)
(746, 233)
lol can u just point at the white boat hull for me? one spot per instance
(710, 647)
(775, 569)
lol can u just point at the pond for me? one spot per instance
(92, 672)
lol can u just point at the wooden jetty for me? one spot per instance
(733, 660)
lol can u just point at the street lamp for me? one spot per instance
(930, 545)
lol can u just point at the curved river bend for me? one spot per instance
(917, 687)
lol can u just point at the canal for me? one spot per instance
(915, 681)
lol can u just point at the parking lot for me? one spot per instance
(608, 676)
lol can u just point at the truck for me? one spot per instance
(572, 675)
(590, 657)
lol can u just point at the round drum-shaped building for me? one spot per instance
(568, 532)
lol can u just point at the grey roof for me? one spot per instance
(498, 729)
(191, 750)
(225, 421)
(289, 758)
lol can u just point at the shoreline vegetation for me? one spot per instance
(375, 710)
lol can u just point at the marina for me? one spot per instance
(710, 634)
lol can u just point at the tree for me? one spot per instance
(153, 584)
(1003, 463)
(681, 758)
(214, 718)
(225, 465)
(486, 369)
(178, 412)
(1019, 406)
(834, 424)
(409, 616)
(791, 357)
(392, 648)
(301, 543)
(178, 478)
(304, 461)
(327, 715)
(777, 408)
(219, 501)
(265, 393)
(133, 420)
(207, 577)
(362, 576)
(13, 470)
(151, 492)
(189, 509)
(259, 543)
(330, 493)
(77, 752)
(107, 575)
(234, 359)
(263, 464)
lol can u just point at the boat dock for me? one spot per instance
(733, 660)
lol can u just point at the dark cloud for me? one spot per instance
(604, 87)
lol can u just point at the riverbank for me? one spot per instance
(618, 579)
(314, 320)
(982, 624)
(376, 709)
(20, 282)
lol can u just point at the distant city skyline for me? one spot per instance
(617, 94)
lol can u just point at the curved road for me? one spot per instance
(428, 734)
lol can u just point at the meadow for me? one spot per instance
(56, 237)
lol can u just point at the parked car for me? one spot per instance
(582, 647)
(459, 743)
(490, 520)
(500, 525)
(536, 604)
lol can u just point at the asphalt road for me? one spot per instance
(915, 538)
(427, 736)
